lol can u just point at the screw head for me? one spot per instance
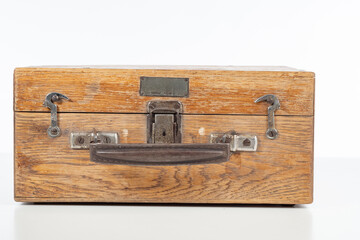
(54, 131)
(272, 133)
(107, 139)
(80, 140)
(246, 143)
(55, 98)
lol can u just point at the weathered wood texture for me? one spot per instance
(217, 91)
(179, 67)
(47, 170)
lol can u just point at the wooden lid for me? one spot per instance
(212, 89)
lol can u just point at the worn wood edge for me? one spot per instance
(102, 200)
(183, 114)
(14, 156)
(267, 68)
(297, 72)
(313, 145)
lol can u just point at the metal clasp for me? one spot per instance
(82, 140)
(238, 142)
(274, 102)
(54, 130)
(164, 122)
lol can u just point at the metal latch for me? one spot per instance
(274, 102)
(164, 122)
(238, 142)
(82, 140)
(54, 130)
(164, 128)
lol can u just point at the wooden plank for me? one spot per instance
(47, 170)
(117, 90)
(177, 67)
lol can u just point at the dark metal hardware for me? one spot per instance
(237, 142)
(274, 102)
(54, 130)
(164, 87)
(159, 154)
(164, 122)
(163, 145)
(82, 140)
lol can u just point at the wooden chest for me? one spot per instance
(164, 134)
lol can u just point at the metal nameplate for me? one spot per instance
(164, 87)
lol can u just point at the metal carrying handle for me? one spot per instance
(159, 154)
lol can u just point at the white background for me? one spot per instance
(316, 35)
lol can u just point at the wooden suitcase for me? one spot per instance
(164, 134)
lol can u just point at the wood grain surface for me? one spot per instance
(48, 170)
(216, 91)
(177, 67)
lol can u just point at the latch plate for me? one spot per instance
(164, 121)
(164, 128)
(238, 142)
(82, 140)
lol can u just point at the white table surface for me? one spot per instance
(333, 215)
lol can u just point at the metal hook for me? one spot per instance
(274, 102)
(54, 130)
